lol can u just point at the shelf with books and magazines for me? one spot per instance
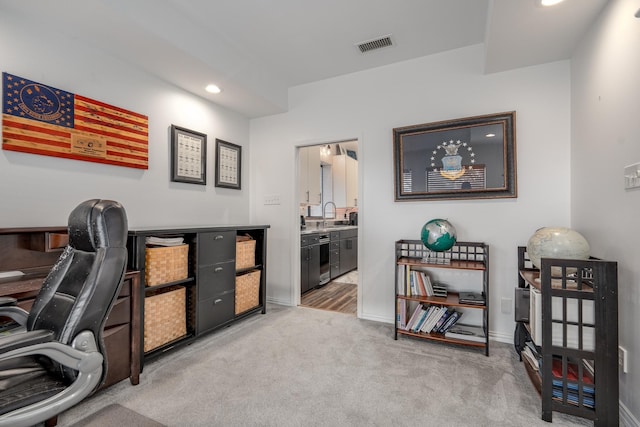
(435, 290)
(571, 332)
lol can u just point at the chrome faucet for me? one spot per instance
(324, 213)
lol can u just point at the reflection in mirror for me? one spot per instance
(456, 159)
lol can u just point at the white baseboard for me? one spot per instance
(279, 302)
(626, 417)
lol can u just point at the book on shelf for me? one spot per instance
(417, 317)
(413, 318)
(420, 281)
(400, 279)
(451, 320)
(401, 313)
(443, 318)
(572, 398)
(433, 318)
(473, 298)
(534, 361)
(424, 314)
(427, 283)
(571, 377)
(466, 332)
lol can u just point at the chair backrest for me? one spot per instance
(83, 284)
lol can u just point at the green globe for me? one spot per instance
(438, 235)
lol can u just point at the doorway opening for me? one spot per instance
(328, 209)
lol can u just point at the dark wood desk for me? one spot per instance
(33, 251)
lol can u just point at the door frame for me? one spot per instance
(295, 240)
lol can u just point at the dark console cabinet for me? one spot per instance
(209, 293)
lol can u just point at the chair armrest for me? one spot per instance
(8, 308)
(86, 360)
(7, 301)
(15, 341)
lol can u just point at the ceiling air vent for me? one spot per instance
(378, 43)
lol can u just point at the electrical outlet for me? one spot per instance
(623, 359)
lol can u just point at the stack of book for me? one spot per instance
(164, 241)
(431, 319)
(467, 332)
(472, 298)
(572, 385)
(439, 290)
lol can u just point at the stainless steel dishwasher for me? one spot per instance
(325, 264)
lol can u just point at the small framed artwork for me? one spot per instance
(228, 164)
(188, 156)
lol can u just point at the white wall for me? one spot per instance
(41, 190)
(606, 138)
(368, 105)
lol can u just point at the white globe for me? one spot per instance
(557, 242)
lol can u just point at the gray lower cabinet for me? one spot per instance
(309, 262)
(348, 250)
(334, 257)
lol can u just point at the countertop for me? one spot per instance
(311, 230)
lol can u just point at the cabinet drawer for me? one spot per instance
(314, 239)
(345, 234)
(117, 343)
(215, 311)
(304, 240)
(217, 278)
(334, 245)
(120, 312)
(334, 235)
(125, 290)
(216, 247)
(334, 256)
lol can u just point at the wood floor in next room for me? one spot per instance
(338, 295)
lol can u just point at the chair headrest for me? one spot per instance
(97, 224)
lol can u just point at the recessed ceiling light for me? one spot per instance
(212, 89)
(490, 135)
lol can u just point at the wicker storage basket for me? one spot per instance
(164, 318)
(245, 252)
(166, 264)
(247, 291)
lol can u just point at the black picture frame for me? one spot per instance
(228, 165)
(466, 158)
(188, 156)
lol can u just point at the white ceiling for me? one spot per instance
(256, 49)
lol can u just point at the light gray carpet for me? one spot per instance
(116, 415)
(306, 367)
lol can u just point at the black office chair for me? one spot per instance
(59, 359)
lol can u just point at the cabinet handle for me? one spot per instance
(218, 237)
(217, 301)
(217, 269)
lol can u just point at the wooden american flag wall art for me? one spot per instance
(40, 119)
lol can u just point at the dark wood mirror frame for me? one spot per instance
(468, 158)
